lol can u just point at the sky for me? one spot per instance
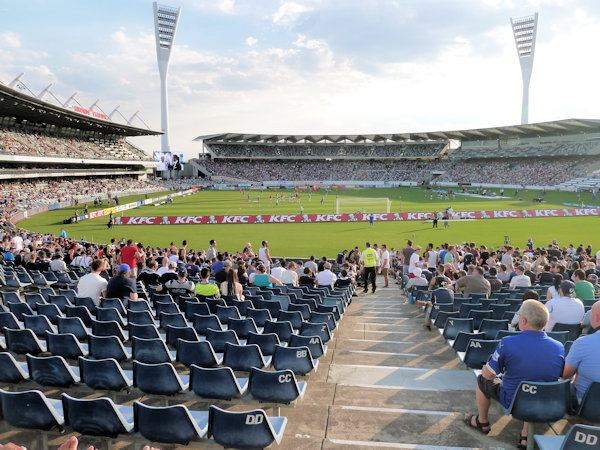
(308, 66)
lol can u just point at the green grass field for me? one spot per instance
(329, 238)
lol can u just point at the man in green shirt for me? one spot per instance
(583, 288)
(204, 287)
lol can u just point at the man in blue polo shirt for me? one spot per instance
(528, 356)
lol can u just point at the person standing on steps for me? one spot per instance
(369, 261)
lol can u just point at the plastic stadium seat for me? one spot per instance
(113, 303)
(140, 305)
(283, 330)
(260, 316)
(314, 344)
(166, 307)
(498, 310)
(87, 302)
(293, 317)
(143, 331)
(297, 359)
(573, 329)
(65, 345)
(244, 357)
(8, 320)
(466, 308)
(328, 318)
(174, 334)
(213, 303)
(49, 310)
(61, 301)
(97, 417)
(478, 352)
(250, 429)
(478, 316)
(171, 424)
(109, 315)
(104, 374)
(462, 340)
(589, 409)
(311, 303)
(73, 325)
(503, 333)
(51, 371)
(437, 307)
(224, 313)
(456, 325)
(273, 306)
(242, 327)
(192, 308)
(69, 293)
(10, 297)
(199, 353)
(151, 351)
(38, 324)
(316, 329)
(219, 339)
(242, 306)
(158, 379)
(560, 336)
(217, 383)
(330, 309)
(46, 292)
(111, 328)
(23, 341)
(102, 347)
(536, 402)
(19, 310)
(275, 386)
(175, 320)
(265, 341)
(32, 299)
(442, 317)
(303, 309)
(491, 327)
(82, 312)
(579, 437)
(31, 409)
(12, 371)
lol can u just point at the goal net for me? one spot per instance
(348, 205)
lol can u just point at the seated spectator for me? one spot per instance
(149, 276)
(528, 272)
(93, 285)
(545, 277)
(474, 283)
(566, 308)
(290, 276)
(343, 280)
(504, 274)
(170, 274)
(241, 273)
(58, 263)
(262, 279)
(528, 356)
(204, 287)
(278, 269)
(583, 362)
(164, 268)
(307, 279)
(417, 279)
(583, 288)
(520, 279)
(326, 277)
(441, 294)
(231, 286)
(181, 286)
(529, 295)
(192, 267)
(122, 286)
(221, 275)
(495, 283)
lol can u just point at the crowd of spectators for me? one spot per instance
(32, 141)
(525, 150)
(515, 171)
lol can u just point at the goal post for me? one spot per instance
(351, 205)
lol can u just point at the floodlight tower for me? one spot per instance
(524, 31)
(166, 19)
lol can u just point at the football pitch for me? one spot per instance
(327, 239)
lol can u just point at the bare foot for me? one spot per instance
(69, 444)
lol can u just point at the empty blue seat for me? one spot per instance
(579, 437)
(242, 306)
(224, 313)
(32, 299)
(175, 320)
(302, 309)
(466, 308)
(491, 327)
(61, 301)
(52, 371)
(244, 357)
(8, 320)
(462, 340)
(242, 327)
(49, 310)
(20, 310)
(218, 383)
(151, 351)
(317, 317)
(260, 316)
(12, 371)
(158, 379)
(103, 347)
(46, 292)
(589, 409)
(249, 429)
(560, 336)
(573, 329)
(10, 297)
(140, 318)
(503, 333)
(293, 317)
(265, 341)
(219, 338)
(273, 306)
(192, 308)
(88, 302)
(174, 334)
(97, 417)
(442, 317)
(283, 330)
(148, 331)
(171, 424)
(279, 386)
(104, 374)
(82, 312)
(213, 303)
(110, 328)
(478, 352)
(166, 307)
(23, 341)
(478, 315)
(455, 325)
(297, 359)
(202, 323)
(198, 353)
(70, 294)
(65, 345)
(139, 305)
(330, 309)
(113, 303)
(316, 329)
(38, 324)
(31, 409)
(498, 310)
(109, 315)
(314, 344)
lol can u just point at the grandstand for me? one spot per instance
(540, 154)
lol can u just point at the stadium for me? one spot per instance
(295, 290)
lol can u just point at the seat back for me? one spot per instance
(260, 316)
(102, 374)
(202, 323)
(102, 347)
(283, 330)
(174, 334)
(560, 336)
(200, 353)
(170, 424)
(219, 338)
(466, 308)
(156, 379)
(217, 383)
(442, 317)
(541, 402)
(224, 313)
(113, 303)
(65, 345)
(242, 327)
(503, 333)
(29, 409)
(278, 386)
(455, 325)
(316, 329)
(82, 312)
(50, 371)
(243, 357)
(297, 359)
(20, 310)
(462, 340)
(250, 429)
(94, 417)
(49, 310)
(175, 320)
(589, 409)
(32, 299)
(109, 314)
(581, 437)
(303, 309)
(110, 328)
(61, 301)
(10, 370)
(166, 307)
(478, 352)
(38, 324)
(140, 317)
(272, 305)
(491, 327)
(192, 307)
(22, 342)
(265, 341)
(139, 305)
(150, 351)
(87, 302)
(479, 315)
(573, 329)
(8, 320)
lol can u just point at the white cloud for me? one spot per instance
(10, 40)
(250, 41)
(227, 6)
(289, 11)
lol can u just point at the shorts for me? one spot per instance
(489, 388)
(385, 271)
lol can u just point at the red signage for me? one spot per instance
(90, 112)
(380, 217)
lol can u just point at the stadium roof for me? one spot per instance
(557, 127)
(17, 104)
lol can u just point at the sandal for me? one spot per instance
(479, 426)
(521, 439)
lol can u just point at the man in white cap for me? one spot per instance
(416, 280)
